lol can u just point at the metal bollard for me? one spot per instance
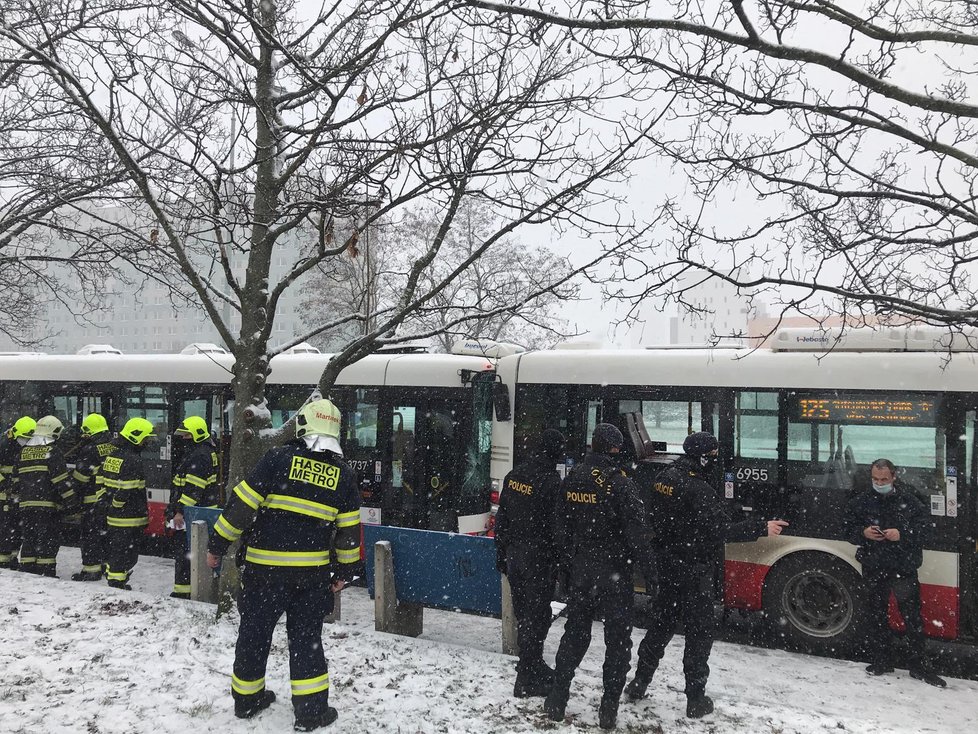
(334, 616)
(510, 641)
(203, 584)
(391, 615)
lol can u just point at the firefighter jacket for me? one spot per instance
(528, 508)
(88, 461)
(600, 522)
(123, 476)
(296, 507)
(899, 509)
(688, 519)
(41, 479)
(195, 481)
(9, 455)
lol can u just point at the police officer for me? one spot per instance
(601, 537)
(43, 492)
(525, 553)
(96, 444)
(13, 440)
(123, 475)
(194, 485)
(689, 529)
(300, 508)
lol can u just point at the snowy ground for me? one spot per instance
(85, 658)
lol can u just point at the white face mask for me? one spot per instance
(883, 488)
(707, 460)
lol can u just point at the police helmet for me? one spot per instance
(137, 430)
(195, 427)
(48, 426)
(23, 427)
(606, 438)
(320, 418)
(700, 444)
(93, 423)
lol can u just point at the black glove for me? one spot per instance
(501, 559)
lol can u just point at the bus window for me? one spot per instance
(149, 402)
(284, 401)
(756, 426)
(671, 421)
(539, 407)
(361, 424)
(19, 398)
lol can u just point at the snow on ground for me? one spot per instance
(80, 657)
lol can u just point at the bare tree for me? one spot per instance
(250, 132)
(844, 132)
(487, 299)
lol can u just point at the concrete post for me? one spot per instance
(334, 616)
(203, 585)
(391, 615)
(510, 641)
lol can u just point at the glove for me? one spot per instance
(651, 582)
(501, 559)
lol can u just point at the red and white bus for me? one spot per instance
(798, 428)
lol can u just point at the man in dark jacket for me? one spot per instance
(601, 538)
(194, 485)
(888, 523)
(690, 528)
(302, 505)
(95, 445)
(525, 553)
(123, 475)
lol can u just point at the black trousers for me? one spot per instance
(181, 562)
(41, 540)
(9, 533)
(685, 594)
(305, 603)
(531, 580)
(906, 590)
(94, 534)
(609, 594)
(123, 553)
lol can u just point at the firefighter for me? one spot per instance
(14, 439)
(43, 492)
(601, 537)
(194, 485)
(95, 445)
(525, 554)
(123, 475)
(300, 509)
(690, 528)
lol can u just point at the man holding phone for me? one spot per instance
(888, 523)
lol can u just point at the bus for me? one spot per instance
(799, 425)
(416, 427)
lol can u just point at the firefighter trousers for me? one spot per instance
(685, 594)
(123, 553)
(610, 595)
(8, 523)
(305, 600)
(181, 563)
(93, 539)
(531, 581)
(41, 540)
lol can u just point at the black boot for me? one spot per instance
(556, 701)
(637, 688)
(50, 571)
(315, 722)
(608, 712)
(120, 585)
(248, 706)
(87, 576)
(699, 706)
(531, 684)
(928, 677)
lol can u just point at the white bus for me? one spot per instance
(416, 427)
(798, 429)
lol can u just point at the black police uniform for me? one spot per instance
(88, 461)
(601, 537)
(9, 521)
(43, 492)
(524, 536)
(123, 475)
(690, 528)
(891, 566)
(300, 512)
(194, 485)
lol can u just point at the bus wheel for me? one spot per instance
(816, 603)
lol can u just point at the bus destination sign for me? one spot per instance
(865, 410)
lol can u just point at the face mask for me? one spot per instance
(883, 488)
(707, 461)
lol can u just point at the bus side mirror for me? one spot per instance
(500, 401)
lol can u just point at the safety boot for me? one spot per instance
(556, 701)
(247, 707)
(699, 706)
(120, 585)
(87, 576)
(608, 712)
(637, 688)
(528, 685)
(315, 722)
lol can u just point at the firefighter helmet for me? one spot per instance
(48, 426)
(23, 428)
(94, 423)
(320, 418)
(137, 430)
(195, 427)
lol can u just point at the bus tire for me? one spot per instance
(816, 603)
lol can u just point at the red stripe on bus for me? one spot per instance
(743, 584)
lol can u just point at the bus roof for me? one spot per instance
(749, 368)
(430, 370)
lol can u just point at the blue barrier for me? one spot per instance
(437, 569)
(207, 514)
